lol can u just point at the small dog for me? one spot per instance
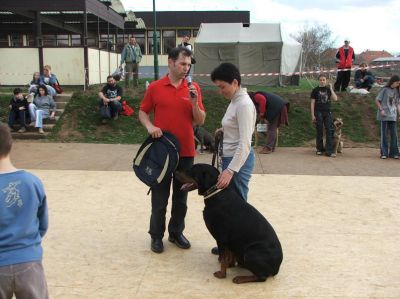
(337, 135)
(242, 233)
(204, 138)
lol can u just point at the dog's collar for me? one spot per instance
(211, 192)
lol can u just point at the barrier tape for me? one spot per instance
(262, 74)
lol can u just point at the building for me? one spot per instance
(82, 39)
(368, 56)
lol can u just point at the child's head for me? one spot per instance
(394, 82)
(36, 76)
(47, 70)
(6, 141)
(42, 90)
(18, 93)
(322, 80)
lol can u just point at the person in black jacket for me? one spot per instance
(364, 78)
(274, 110)
(19, 111)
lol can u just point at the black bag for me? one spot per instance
(156, 159)
(105, 111)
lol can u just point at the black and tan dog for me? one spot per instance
(337, 135)
(241, 232)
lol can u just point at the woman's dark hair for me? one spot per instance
(226, 72)
(45, 90)
(393, 79)
(251, 94)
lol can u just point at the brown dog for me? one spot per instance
(337, 135)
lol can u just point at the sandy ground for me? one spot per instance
(340, 231)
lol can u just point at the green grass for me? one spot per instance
(81, 121)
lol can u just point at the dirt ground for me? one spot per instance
(337, 220)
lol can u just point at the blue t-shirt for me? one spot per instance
(23, 217)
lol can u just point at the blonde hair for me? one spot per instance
(47, 67)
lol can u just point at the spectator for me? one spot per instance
(23, 223)
(321, 115)
(19, 111)
(176, 106)
(33, 86)
(131, 55)
(43, 107)
(185, 43)
(388, 102)
(275, 110)
(364, 78)
(110, 96)
(344, 58)
(237, 127)
(48, 79)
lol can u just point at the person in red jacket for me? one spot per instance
(344, 58)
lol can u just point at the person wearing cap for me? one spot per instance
(344, 58)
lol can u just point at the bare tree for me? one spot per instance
(316, 42)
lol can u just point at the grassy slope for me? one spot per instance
(81, 122)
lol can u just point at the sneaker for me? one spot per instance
(22, 130)
(395, 157)
(319, 153)
(383, 157)
(116, 116)
(41, 131)
(332, 155)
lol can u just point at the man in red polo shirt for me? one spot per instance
(176, 107)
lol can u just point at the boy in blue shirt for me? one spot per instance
(23, 223)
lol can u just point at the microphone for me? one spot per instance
(189, 83)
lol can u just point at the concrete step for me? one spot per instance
(59, 111)
(64, 97)
(61, 105)
(31, 128)
(29, 135)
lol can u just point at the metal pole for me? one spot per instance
(155, 46)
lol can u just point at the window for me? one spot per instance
(106, 42)
(76, 40)
(122, 39)
(150, 42)
(62, 40)
(184, 32)
(92, 42)
(31, 40)
(3, 40)
(49, 40)
(195, 32)
(169, 40)
(16, 40)
(141, 41)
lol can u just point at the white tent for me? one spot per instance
(254, 48)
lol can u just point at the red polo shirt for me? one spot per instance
(172, 109)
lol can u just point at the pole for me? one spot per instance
(155, 46)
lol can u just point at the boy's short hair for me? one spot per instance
(6, 141)
(226, 72)
(17, 90)
(322, 75)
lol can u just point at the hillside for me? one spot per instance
(81, 122)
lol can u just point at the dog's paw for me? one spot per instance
(219, 274)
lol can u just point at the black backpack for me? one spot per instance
(156, 159)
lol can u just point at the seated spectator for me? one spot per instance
(48, 79)
(43, 106)
(364, 78)
(110, 98)
(33, 86)
(19, 111)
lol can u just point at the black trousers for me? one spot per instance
(342, 80)
(324, 119)
(159, 202)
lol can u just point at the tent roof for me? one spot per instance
(235, 32)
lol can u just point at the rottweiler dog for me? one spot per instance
(242, 233)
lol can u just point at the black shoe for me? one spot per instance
(179, 241)
(157, 245)
(215, 250)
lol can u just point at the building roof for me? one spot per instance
(192, 19)
(368, 56)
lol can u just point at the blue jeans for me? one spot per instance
(391, 127)
(241, 179)
(115, 107)
(21, 115)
